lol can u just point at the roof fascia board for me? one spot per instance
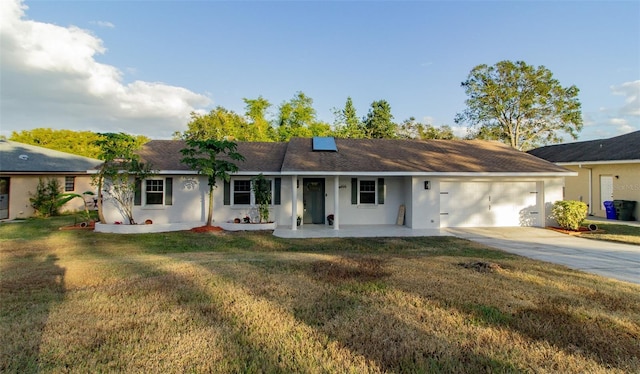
(194, 172)
(578, 163)
(434, 174)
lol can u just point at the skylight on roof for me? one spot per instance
(324, 144)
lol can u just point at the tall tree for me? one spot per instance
(119, 173)
(347, 123)
(259, 127)
(412, 129)
(520, 105)
(219, 123)
(296, 117)
(214, 159)
(378, 124)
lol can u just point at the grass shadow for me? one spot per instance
(29, 288)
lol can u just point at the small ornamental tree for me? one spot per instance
(118, 174)
(205, 156)
(569, 214)
(122, 186)
(262, 193)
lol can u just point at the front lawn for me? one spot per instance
(249, 302)
(615, 232)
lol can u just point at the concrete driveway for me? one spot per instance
(613, 260)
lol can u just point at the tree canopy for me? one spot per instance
(213, 158)
(520, 105)
(82, 143)
(378, 123)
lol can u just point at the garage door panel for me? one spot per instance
(484, 204)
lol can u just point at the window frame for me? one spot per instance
(374, 192)
(161, 192)
(252, 197)
(69, 179)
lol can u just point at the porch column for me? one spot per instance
(294, 202)
(336, 202)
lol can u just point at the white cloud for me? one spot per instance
(106, 24)
(631, 91)
(50, 78)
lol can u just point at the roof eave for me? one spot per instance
(602, 162)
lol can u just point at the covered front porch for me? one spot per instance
(355, 231)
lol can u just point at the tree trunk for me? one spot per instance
(210, 214)
(100, 213)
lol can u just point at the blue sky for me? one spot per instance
(142, 66)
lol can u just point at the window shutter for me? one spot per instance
(168, 191)
(227, 193)
(380, 190)
(137, 194)
(277, 185)
(354, 191)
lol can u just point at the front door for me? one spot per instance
(4, 198)
(313, 200)
(606, 189)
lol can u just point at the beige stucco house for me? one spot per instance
(21, 167)
(607, 169)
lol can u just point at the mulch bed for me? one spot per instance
(207, 229)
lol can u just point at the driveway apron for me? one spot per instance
(613, 260)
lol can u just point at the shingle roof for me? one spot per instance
(366, 155)
(619, 148)
(24, 158)
(397, 155)
(259, 156)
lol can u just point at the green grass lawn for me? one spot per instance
(614, 232)
(79, 301)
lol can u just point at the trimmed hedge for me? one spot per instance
(569, 214)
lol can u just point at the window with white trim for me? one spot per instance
(242, 192)
(367, 192)
(154, 192)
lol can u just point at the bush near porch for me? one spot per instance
(250, 302)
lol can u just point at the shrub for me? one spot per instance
(262, 192)
(569, 214)
(46, 199)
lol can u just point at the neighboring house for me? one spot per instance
(21, 167)
(608, 169)
(439, 183)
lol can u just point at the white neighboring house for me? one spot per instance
(440, 183)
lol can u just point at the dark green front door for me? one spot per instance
(313, 199)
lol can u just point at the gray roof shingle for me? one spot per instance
(619, 148)
(24, 158)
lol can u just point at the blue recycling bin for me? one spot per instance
(610, 208)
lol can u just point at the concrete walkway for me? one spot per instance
(613, 260)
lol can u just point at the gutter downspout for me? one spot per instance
(590, 188)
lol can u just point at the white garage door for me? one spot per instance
(484, 204)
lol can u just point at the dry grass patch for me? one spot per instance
(186, 302)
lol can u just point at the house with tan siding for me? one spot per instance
(605, 170)
(23, 165)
